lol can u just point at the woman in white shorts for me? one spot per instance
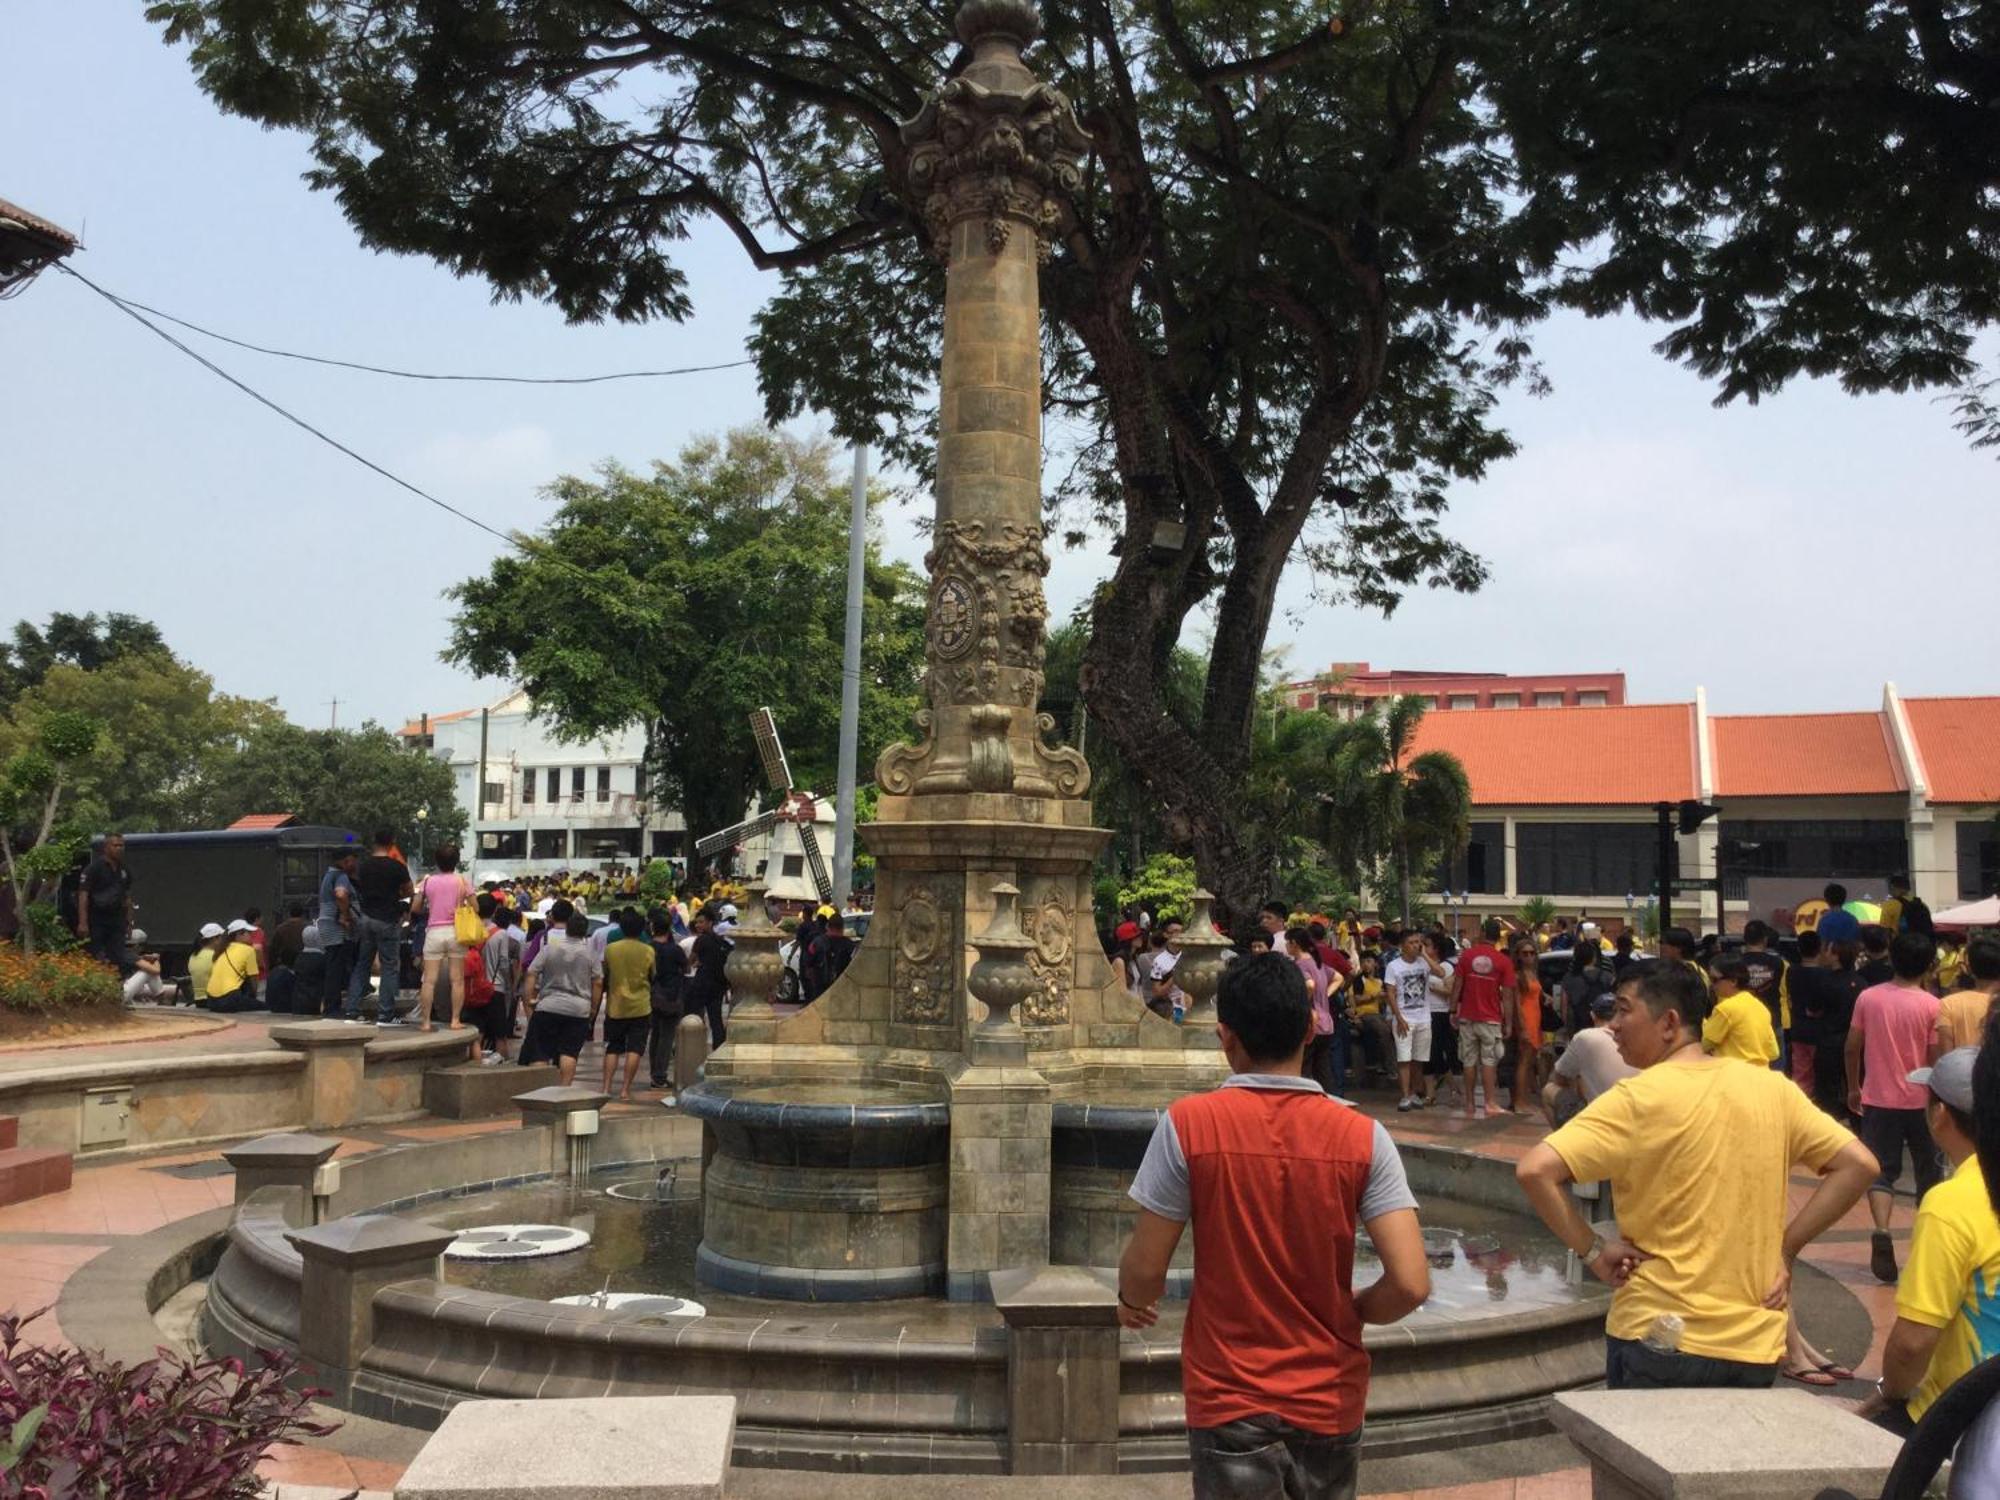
(437, 898)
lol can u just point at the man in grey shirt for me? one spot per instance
(1589, 1065)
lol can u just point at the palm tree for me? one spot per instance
(1392, 810)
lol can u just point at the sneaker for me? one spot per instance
(1405, 1104)
(1479, 1113)
(489, 1059)
(1882, 1256)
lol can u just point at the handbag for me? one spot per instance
(466, 926)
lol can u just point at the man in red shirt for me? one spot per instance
(1479, 988)
(1277, 1179)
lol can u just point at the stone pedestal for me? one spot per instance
(1062, 1369)
(473, 1091)
(609, 1448)
(346, 1262)
(999, 1177)
(1722, 1445)
(330, 1087)
(282, 1161)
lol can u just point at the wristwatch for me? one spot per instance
(1596, 1249)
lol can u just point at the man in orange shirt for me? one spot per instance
(1277, 1180)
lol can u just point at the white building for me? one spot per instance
(548, 805)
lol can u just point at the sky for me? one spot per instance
(1789, 556)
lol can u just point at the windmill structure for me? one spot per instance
(792, 826)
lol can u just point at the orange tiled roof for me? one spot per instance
(416, 726)
(1959, 742)
(1804, 755)
(266, 820)
(1585, 757)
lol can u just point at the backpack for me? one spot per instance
(1917, 917)
(478, 988)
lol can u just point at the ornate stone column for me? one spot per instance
(755, 967)
(993, 154)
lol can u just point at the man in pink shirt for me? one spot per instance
(1890, 1038)
(1484, 977)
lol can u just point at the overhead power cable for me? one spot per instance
(296, 420)
(347, 364)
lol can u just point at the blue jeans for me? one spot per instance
(1266, 1458)
(375, 938)
(1630, 1366)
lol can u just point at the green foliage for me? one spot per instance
(1166, 882)
(1393, 815)
(1312, 886)
(688, 598)
(82, 641)
(656, 881)
(359, 779)
(1536, 911)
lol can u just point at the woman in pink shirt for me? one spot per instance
(438, 898)
(1319, 991)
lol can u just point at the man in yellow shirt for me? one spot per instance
(1948, 1300)
(1739, 1026)
(1699, 1152)
(628, 998)
(1962, 1013)
(232, 983)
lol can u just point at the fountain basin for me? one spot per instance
(822, 1194)
(1094, 1151)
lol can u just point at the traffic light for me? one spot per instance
(1694, 814)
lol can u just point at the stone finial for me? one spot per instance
(1199, 973)
(1018, 21)
(754, 967)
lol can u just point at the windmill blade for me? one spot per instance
(809, 839)
(734, 834)
(770, 751)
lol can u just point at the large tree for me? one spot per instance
(1296, 274)
(683, 600)
(359, 779)
(83, 641)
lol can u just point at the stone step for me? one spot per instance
(10, 1132)
(32, 1172)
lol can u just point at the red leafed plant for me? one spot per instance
(75, 1424)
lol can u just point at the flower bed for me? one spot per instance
(56, 984)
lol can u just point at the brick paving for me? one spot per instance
(45, 1241)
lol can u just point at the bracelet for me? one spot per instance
(1129, 1306)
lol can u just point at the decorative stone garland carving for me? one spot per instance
(1053, 956)
(925, 965)
(987, 603)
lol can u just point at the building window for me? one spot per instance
(576, 783)
(496, 795)
(1592, 698)
(666, 845)
(604, 783)
(1429, 700)
(1548, 700)
(1978, 859)
(528, 786)
(794, 865)
(549, 843)
(1481, 869)
(1813, 848)
(1585, 859)
(599, 844)
(1506, 700)
(503, 843)
(1463, 700)
(555, 785)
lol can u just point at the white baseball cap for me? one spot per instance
(728, 911)
(211, 930)
(239, 925)
(138, 936)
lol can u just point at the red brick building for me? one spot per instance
(1356, 681)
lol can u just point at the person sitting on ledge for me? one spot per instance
(1699, 1152)
(1277, 1179)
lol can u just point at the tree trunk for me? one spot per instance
(1403, 873)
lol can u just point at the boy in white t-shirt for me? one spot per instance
(1407, 978)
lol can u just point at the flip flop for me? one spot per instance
(1837, 1370)
(1816, 1378)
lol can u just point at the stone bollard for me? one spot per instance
(550, 1109)
(1722, 1444)
(604, 1448)
(347, 1261)
(330, 1091)
(1062, 1369)
(292, 1162)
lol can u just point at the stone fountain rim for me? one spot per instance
(711, 1099)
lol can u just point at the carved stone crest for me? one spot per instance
(954, 618)
(1053, 957)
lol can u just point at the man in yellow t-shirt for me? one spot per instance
(628, 998)
(1739, 1026)
(1948, 1298)
(232, 983)
(1698, 1152)
(1962, 1013)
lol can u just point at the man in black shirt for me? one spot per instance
(1875, 966)
(1824, 989)
(382, 886)
(669, 980)
(706, 985)
(1767, 980)
(104, 905)
(828, 958)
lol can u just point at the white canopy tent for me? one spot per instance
(1984, 913)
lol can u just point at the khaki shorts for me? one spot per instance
(1414, 1044)
(442, 942)
(1479, 1044)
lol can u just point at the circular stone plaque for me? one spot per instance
(647, 1304)
(515, 1242)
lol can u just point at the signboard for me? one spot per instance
(1690, 884)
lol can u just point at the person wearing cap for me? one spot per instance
(202, 961)
(1124, 956)
(232, 983)
(1738, 1026)
(1948, 1299)
(143, 986)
